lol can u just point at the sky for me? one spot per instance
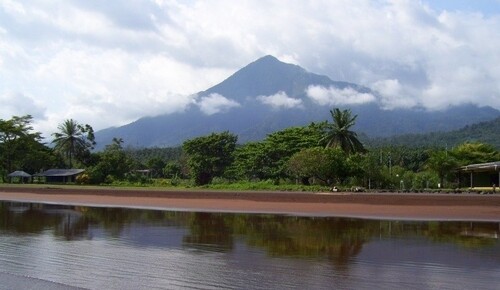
(108, 63)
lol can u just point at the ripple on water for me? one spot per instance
(12, 282)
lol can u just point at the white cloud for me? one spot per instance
(334, 96)
(13, 7)
(280, 100)
(393, 95)
(215, 103)
(15, 104)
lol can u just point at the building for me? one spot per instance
(59, 175)
(19, 175)
(480, 175)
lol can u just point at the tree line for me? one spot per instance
(328, 153)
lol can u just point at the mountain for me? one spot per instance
(268, 75)
(268, 95)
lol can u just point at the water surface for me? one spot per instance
(116, 248)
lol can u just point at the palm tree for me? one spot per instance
(73, 138)
(338, 133)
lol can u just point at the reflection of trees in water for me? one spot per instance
(65, 221)
(73, 227)
(464, 234)
(335, 238)
(114, 220)
(210, 231)
(25, 218)
(283, 236)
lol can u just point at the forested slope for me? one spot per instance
(484, 132)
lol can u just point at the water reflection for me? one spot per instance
(338, 239)
(208, 230)
(129, 248)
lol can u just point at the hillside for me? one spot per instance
(484, 132)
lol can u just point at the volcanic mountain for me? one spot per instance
(268, 95)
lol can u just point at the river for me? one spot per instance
(65, 247)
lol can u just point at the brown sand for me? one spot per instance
(365, 205)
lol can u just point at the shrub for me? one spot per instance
(82, 179)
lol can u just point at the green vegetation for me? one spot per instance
(484, 132)
(74, 140)
(209, 156)
(338, 134)
(21, 148)
(315, 157)
(328, 165)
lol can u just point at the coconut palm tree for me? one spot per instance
(73, 138)
(338, 133)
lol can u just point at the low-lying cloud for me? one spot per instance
(333, 96)
(393, 95)
(216, 103)
(280, 100)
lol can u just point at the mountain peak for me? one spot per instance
(267, 76)
(271, 62)
(268, 58)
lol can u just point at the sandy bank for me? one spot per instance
(366, 205)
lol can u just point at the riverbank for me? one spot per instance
(421, 206)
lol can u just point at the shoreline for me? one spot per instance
(397, 206)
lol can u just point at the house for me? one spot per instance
(480, 175)
(21, 175)
(60, 175)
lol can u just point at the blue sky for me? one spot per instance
(108, 63)
(487, 7)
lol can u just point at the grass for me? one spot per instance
(224, 185)
(167, 184)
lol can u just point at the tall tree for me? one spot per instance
(209, 156)
(74, 139)
(20, 147)
(326, 164)
(267, 159)
(474, 152)
(338, 133)
(442, 163)
(112, 163)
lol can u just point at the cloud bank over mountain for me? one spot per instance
(280, 100)
(108, 63)
(216, 103)
(332, 96)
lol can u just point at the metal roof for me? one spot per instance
(60, 172)
(19, 173)
(490, 166)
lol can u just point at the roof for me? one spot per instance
(60, 172)
(19, 173)
(481, 167)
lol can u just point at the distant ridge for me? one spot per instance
(483, 132)
(269, 95)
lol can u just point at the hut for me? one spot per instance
(60, 175)
(480, 175)
(21, 175)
